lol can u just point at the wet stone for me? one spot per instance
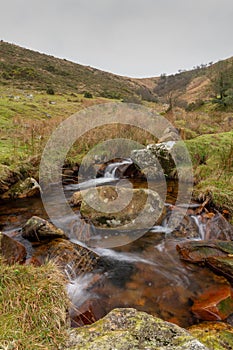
(12, 250)
(214, 304)
(23, 189)
(37, 229)
(72, 258)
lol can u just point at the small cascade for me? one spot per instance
(200, 226)
(114, 170)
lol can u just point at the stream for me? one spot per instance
(146, 274)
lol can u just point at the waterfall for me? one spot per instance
(111, 169)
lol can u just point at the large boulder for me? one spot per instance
(155, 160)
(165, 159)
(129, 329)
(113, 207)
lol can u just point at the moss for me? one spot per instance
(215, 335)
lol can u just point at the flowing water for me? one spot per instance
(146, 274)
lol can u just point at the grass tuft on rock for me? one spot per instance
(34, 307)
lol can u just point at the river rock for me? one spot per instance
(7, 178)
(129, 329)
(37, 229)
(214, 305)
(113, 213)
(222, 265)
(217, 255)
(170, 134)
(148, 164)
(77, 198)
(200, 251)
(215, 335)
(23, 189)
(156, 160)
(12, 250)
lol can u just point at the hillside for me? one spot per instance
(188, 89)
(27, 69)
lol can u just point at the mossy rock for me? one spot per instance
(215, 335)
(129, 329)
(113, 207)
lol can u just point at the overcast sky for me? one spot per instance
(137, 38)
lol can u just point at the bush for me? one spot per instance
(88, 94)
(50, 91)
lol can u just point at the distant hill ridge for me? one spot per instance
(29, 69)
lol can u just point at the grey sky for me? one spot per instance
(129, 37)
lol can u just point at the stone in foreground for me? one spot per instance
(129, 329)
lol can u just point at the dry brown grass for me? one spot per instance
(33, 307)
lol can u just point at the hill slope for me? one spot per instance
(29, 69)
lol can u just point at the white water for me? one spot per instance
(200, 226)
(111, 169)
(77, 289)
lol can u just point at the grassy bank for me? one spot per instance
(33, 307)
(212, 157)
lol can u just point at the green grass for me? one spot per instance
(212, 157)
(33, 307)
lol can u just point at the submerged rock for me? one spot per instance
(128, 329)
(217, 255)
(71, 257)
(215, 335)
(214, 305)
(112, 207)
(37, 229)
(200, 251)
(23, 189)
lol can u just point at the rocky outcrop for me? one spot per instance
(128, 329)
(112, 207)
(23, 189)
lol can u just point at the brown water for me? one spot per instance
(146, 274)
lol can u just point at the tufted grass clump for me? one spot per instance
(33, 304)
